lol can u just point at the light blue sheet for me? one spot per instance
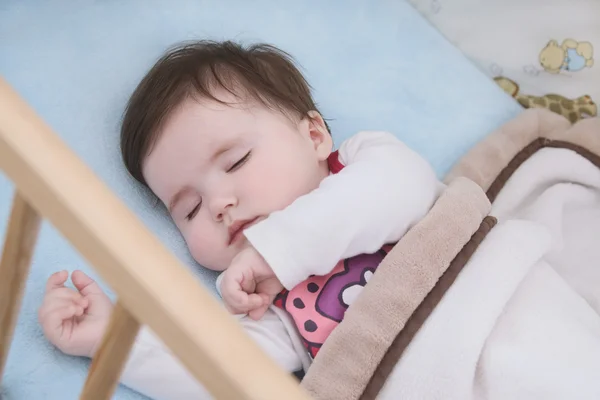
(373, 64)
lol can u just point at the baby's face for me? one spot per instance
(219, 169)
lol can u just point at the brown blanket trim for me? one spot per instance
(422, 312)
(346, 362)
(530, 150)
(484, 163)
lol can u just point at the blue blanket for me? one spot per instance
(373, 65)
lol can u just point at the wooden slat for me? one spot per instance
(18, 249)
(111, 357)
(149, 280)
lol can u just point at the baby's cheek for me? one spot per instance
(280, 188)
(206, 250)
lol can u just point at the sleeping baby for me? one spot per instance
(231, 142)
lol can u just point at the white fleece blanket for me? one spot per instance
(522, 320)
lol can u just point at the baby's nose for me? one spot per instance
(219, 207)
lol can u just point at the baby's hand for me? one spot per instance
(249, 285)
(74, 320)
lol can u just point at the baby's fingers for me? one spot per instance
(56, 280)
(242, 303)
(52, 320)
(258, 313)
(254, 301)
(55, 304)
(260, 310)
(66, 294)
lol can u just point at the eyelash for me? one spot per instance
(194, 211)
(239, 163)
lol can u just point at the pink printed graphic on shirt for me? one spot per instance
(301, 302)
(343, 287)
(318, 304)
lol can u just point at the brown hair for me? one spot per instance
(261, 72)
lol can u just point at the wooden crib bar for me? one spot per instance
(111, 356)
(151, 283)
(19, 244)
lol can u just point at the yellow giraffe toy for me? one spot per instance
(573, 110)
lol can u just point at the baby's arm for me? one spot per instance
(384, 189)
(153, 370)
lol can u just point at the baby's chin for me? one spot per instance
(230, 252)
(218, 264)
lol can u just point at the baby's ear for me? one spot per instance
(319, 135)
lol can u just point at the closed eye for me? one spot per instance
(194, 211)
(239, 163)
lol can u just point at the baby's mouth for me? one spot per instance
(236, 229)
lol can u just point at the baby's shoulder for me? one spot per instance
(372, 136)
(369, 140)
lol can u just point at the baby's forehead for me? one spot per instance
(205, 117)
(221, 118)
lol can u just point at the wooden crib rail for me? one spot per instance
(152, 286)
